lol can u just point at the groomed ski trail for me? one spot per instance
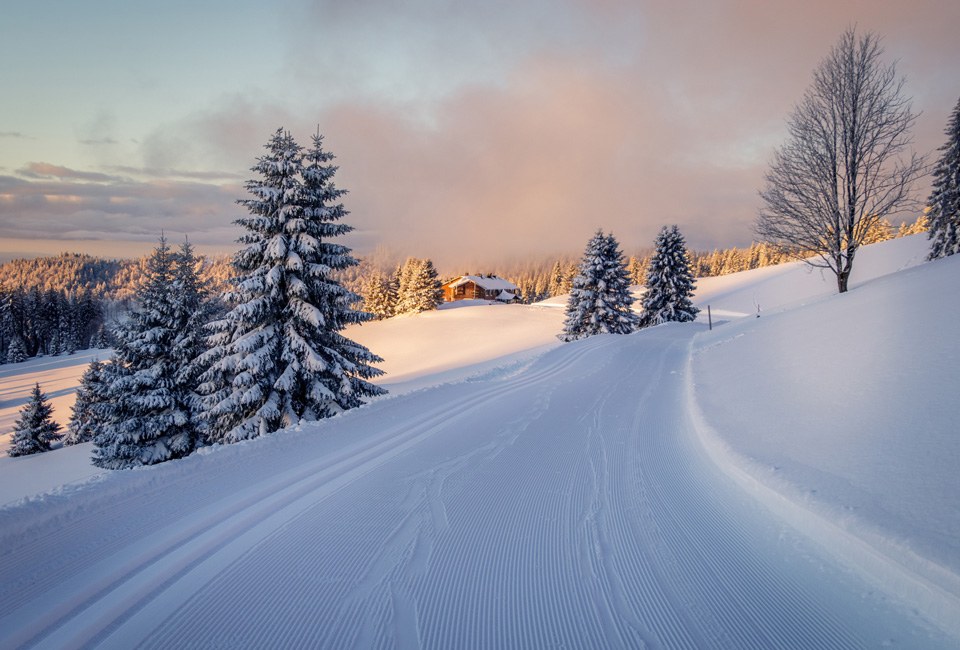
(570, 505)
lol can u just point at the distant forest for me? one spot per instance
(114, 282)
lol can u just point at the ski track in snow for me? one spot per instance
(568, 505)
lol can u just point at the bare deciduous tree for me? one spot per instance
(846, 165)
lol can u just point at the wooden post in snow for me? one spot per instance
(709, 318)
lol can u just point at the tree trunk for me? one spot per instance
(842, 277)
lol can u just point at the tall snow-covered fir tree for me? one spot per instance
(35, 431)
(600, 301)
(944, 201)
(278, 355)
(622, 319)
(669, 282)
(147, 418)
(84, 417)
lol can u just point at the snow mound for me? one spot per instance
(845, 407)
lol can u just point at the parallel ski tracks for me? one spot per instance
(69, 585)
(570, 505)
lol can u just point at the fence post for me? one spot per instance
(709, 318)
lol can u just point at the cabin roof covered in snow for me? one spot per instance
(490, 282)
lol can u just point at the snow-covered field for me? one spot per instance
(782, 482)
(58, 378)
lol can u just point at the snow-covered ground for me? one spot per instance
(847, 406)
(456, 341)
(782, 482)
(58, 378)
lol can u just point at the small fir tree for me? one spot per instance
(101, 340)
(572, 270)
(89, 316)
(379, 298)
(878, 231)
(17, 352)
(944, 202)
(420, 288)
(556, 280)
(669, 282)
(635, 270)
(600, 300)
(35, 431)
(84, 417)
(278, 355)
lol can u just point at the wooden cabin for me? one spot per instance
(481, 287)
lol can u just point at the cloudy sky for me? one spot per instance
(477, 130)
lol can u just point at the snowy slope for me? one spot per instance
(456, 341)
(775, 288)
(847, 406)
(569, 505)
(612, 492)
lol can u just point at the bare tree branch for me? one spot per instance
(847, 163)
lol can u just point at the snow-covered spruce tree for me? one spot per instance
(101, 339)
(35, 430)
(669, 283)
(17, 352)
(192, 310)
(404, 280)
(278, 356)
(600, 302)
(636, 270)
(621, 319)
(944, 201)
(379, 298)
(148, 417)
(428, 287)
(419, 287)
(84, 418)
(556, 280)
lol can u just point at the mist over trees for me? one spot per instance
(374, 277)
